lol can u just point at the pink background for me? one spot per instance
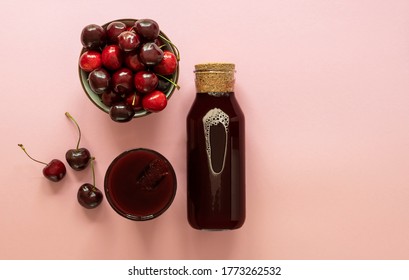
(325, 88)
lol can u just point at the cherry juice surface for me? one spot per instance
(140, 184)
(215, 162)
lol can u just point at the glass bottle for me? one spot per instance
(215, 151)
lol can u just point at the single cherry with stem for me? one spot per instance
(88, 195)
(54, 170)
(77, 158)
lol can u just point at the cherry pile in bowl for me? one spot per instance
(128, 68)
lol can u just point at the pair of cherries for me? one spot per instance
(78, 159)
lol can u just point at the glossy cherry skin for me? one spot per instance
(150, 54)
(128, 41)
(154, 102)
(121, 112)
(145, 81)
(112, 57)
(90, 60)
(99, 81)
(89, 196)
(78, 159)
(147, 29)
(93, 36)
(123, 81)
(168, 65)
(55, 170)
(135, 100)
(113, 30)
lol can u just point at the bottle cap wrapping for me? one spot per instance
(214, 77)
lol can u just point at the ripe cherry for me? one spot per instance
(147, 29)
(54, 170)
(168, 65)
(155, 101)
(112, 57)
(88, 195)
(121, 112)
(128, 41)
(99, 81)
(150, 54)
(123, 81)
(93, 36)
(135, 100)
(145, 81)
(90, 60)
(110, 98)
(77, 158)
(113, 30)
(133, 62)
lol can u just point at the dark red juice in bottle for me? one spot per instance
(215, 151)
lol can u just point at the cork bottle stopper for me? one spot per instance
(214, 77)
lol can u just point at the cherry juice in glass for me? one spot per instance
(140, 184)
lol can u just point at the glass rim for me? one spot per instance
(114, 203)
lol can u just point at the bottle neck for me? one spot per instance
(215, 94)
(214, 81)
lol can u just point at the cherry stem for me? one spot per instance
(24, 149)
(93, 171)
(169, 80)
(134, 99)
(78, 127)
(173, 45)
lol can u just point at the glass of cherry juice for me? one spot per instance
(140, 184)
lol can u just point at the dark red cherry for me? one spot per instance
(147, 29)
(145, 81)
(121, 112)
(88, 195)
(133, 62)
(128, 41)
(150, 54)
(110, 98)
(99, 81)
(93, 36)
(123, 81)
(77, 158)
(135, 100)
(54, 170)
(113, 30)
